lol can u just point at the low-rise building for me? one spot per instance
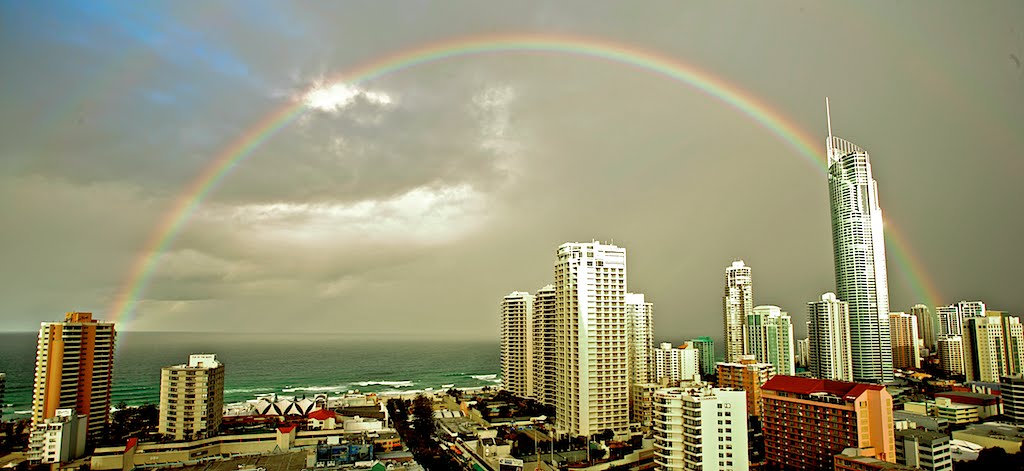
(58, 439)
(924, 449)
(922, 421)
(863, 459)
(988, 405)
(992, 435)
(1012, 391)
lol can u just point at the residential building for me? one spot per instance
(192, 398)
(640, 332)
(803, 353)
(769, 337)
(859, 249)
(517, 343)
(749, 375)
(675, 365)
(926, 325)
(58, 439)
(700, 427)
(829, 339)
(984, 349)
(591, 353)
(544, 345)
(924, 449)
(74, 365)
(1011, 389)
(903, 334)
(1013, 338)
(949, 321)
(863, 459)
(969, 309)
(951, 354)
(642, 402)
(706, 348)
(808, 421)
(737, 304)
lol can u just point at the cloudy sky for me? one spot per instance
(412, 201)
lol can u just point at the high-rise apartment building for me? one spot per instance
(591, 353)
(640, 332)
(859, 249)
(808, 421)
(951, 354)
(675, 365)
(829, 338)
(769, 337)
(700, 428)
(749, 375)
(969, 309)
(803, 353)
(737, 304)
(903, 333)
(58, 439)
(949, 321)
(1013, 334)
(192, 398)
(517, 343)
(926, 325)
(74, 366)
(544, 345)
(706, 348)
(992, 346)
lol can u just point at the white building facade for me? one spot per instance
(737, 304)
(700, 428)
(58, 439)
(674, 365)
(829, 339)
(951, 354)
(769, 337)
(192, 398)
(641, 337)
(517, 343)
(544, 345)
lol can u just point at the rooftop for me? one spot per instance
(798, 385)
(973, 398)
(995, 430)
(920, 434)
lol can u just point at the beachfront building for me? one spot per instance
(748, 375)
(737, 304)
(675, 365)
(74, 365)
(58, 439)
(591, 352)
(697, 427)
(544, 345)
(829, 338)
(517, 343)
(903, 333)
(858, 415)
(769, 337)
(640, 337)
(192, 398)
(706, 347)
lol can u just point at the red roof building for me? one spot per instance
(808, 421)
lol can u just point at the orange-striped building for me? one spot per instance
(74, 370)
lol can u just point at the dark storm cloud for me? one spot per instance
(420, 211)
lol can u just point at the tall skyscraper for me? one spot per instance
(592, 394)
(769, 337)
(517, 343)
(903, 332)
(829, 335)
(192, 398)
(544, 345)
(74, 366)
(927, 326)
(701, 428)
(859, 249)
(737, 304)
(640, 332)
(676, 365)
(706, 348)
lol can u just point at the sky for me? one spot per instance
(410, 201)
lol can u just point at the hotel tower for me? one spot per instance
(74, 366)
(859, 249)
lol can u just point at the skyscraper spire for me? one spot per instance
(828, 143)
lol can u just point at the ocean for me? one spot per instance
(294, 365)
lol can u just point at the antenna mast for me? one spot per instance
(828, 144)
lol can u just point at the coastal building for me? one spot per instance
(829, 339)
(859, 250)
(591, 353)
(951, 354)
(793, 410)
(544, 345)
(748, 375)
(926, 326)
(192, 398)
(517, 343)
(58, 439)
(700, 427)
(924, 449)
(737, 304)
(769, 337)
(640, 335)
(74, 365)
(903, 333)
(675, 365)
(706, 347)
(1011, 389)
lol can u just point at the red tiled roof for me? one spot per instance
(974, 399)
(798, 385)
(322, 414)
(131, 444)
(286, 429)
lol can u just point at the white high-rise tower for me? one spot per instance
(859, 249)
(517, 343)
(591, 353)
(737, 304)
(828, 333)
(769, 332)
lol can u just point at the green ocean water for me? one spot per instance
(285, 364)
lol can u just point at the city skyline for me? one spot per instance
(405, 182)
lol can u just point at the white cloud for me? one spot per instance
(334, 97)
(492, 108)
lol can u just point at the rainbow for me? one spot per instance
(671, 68)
